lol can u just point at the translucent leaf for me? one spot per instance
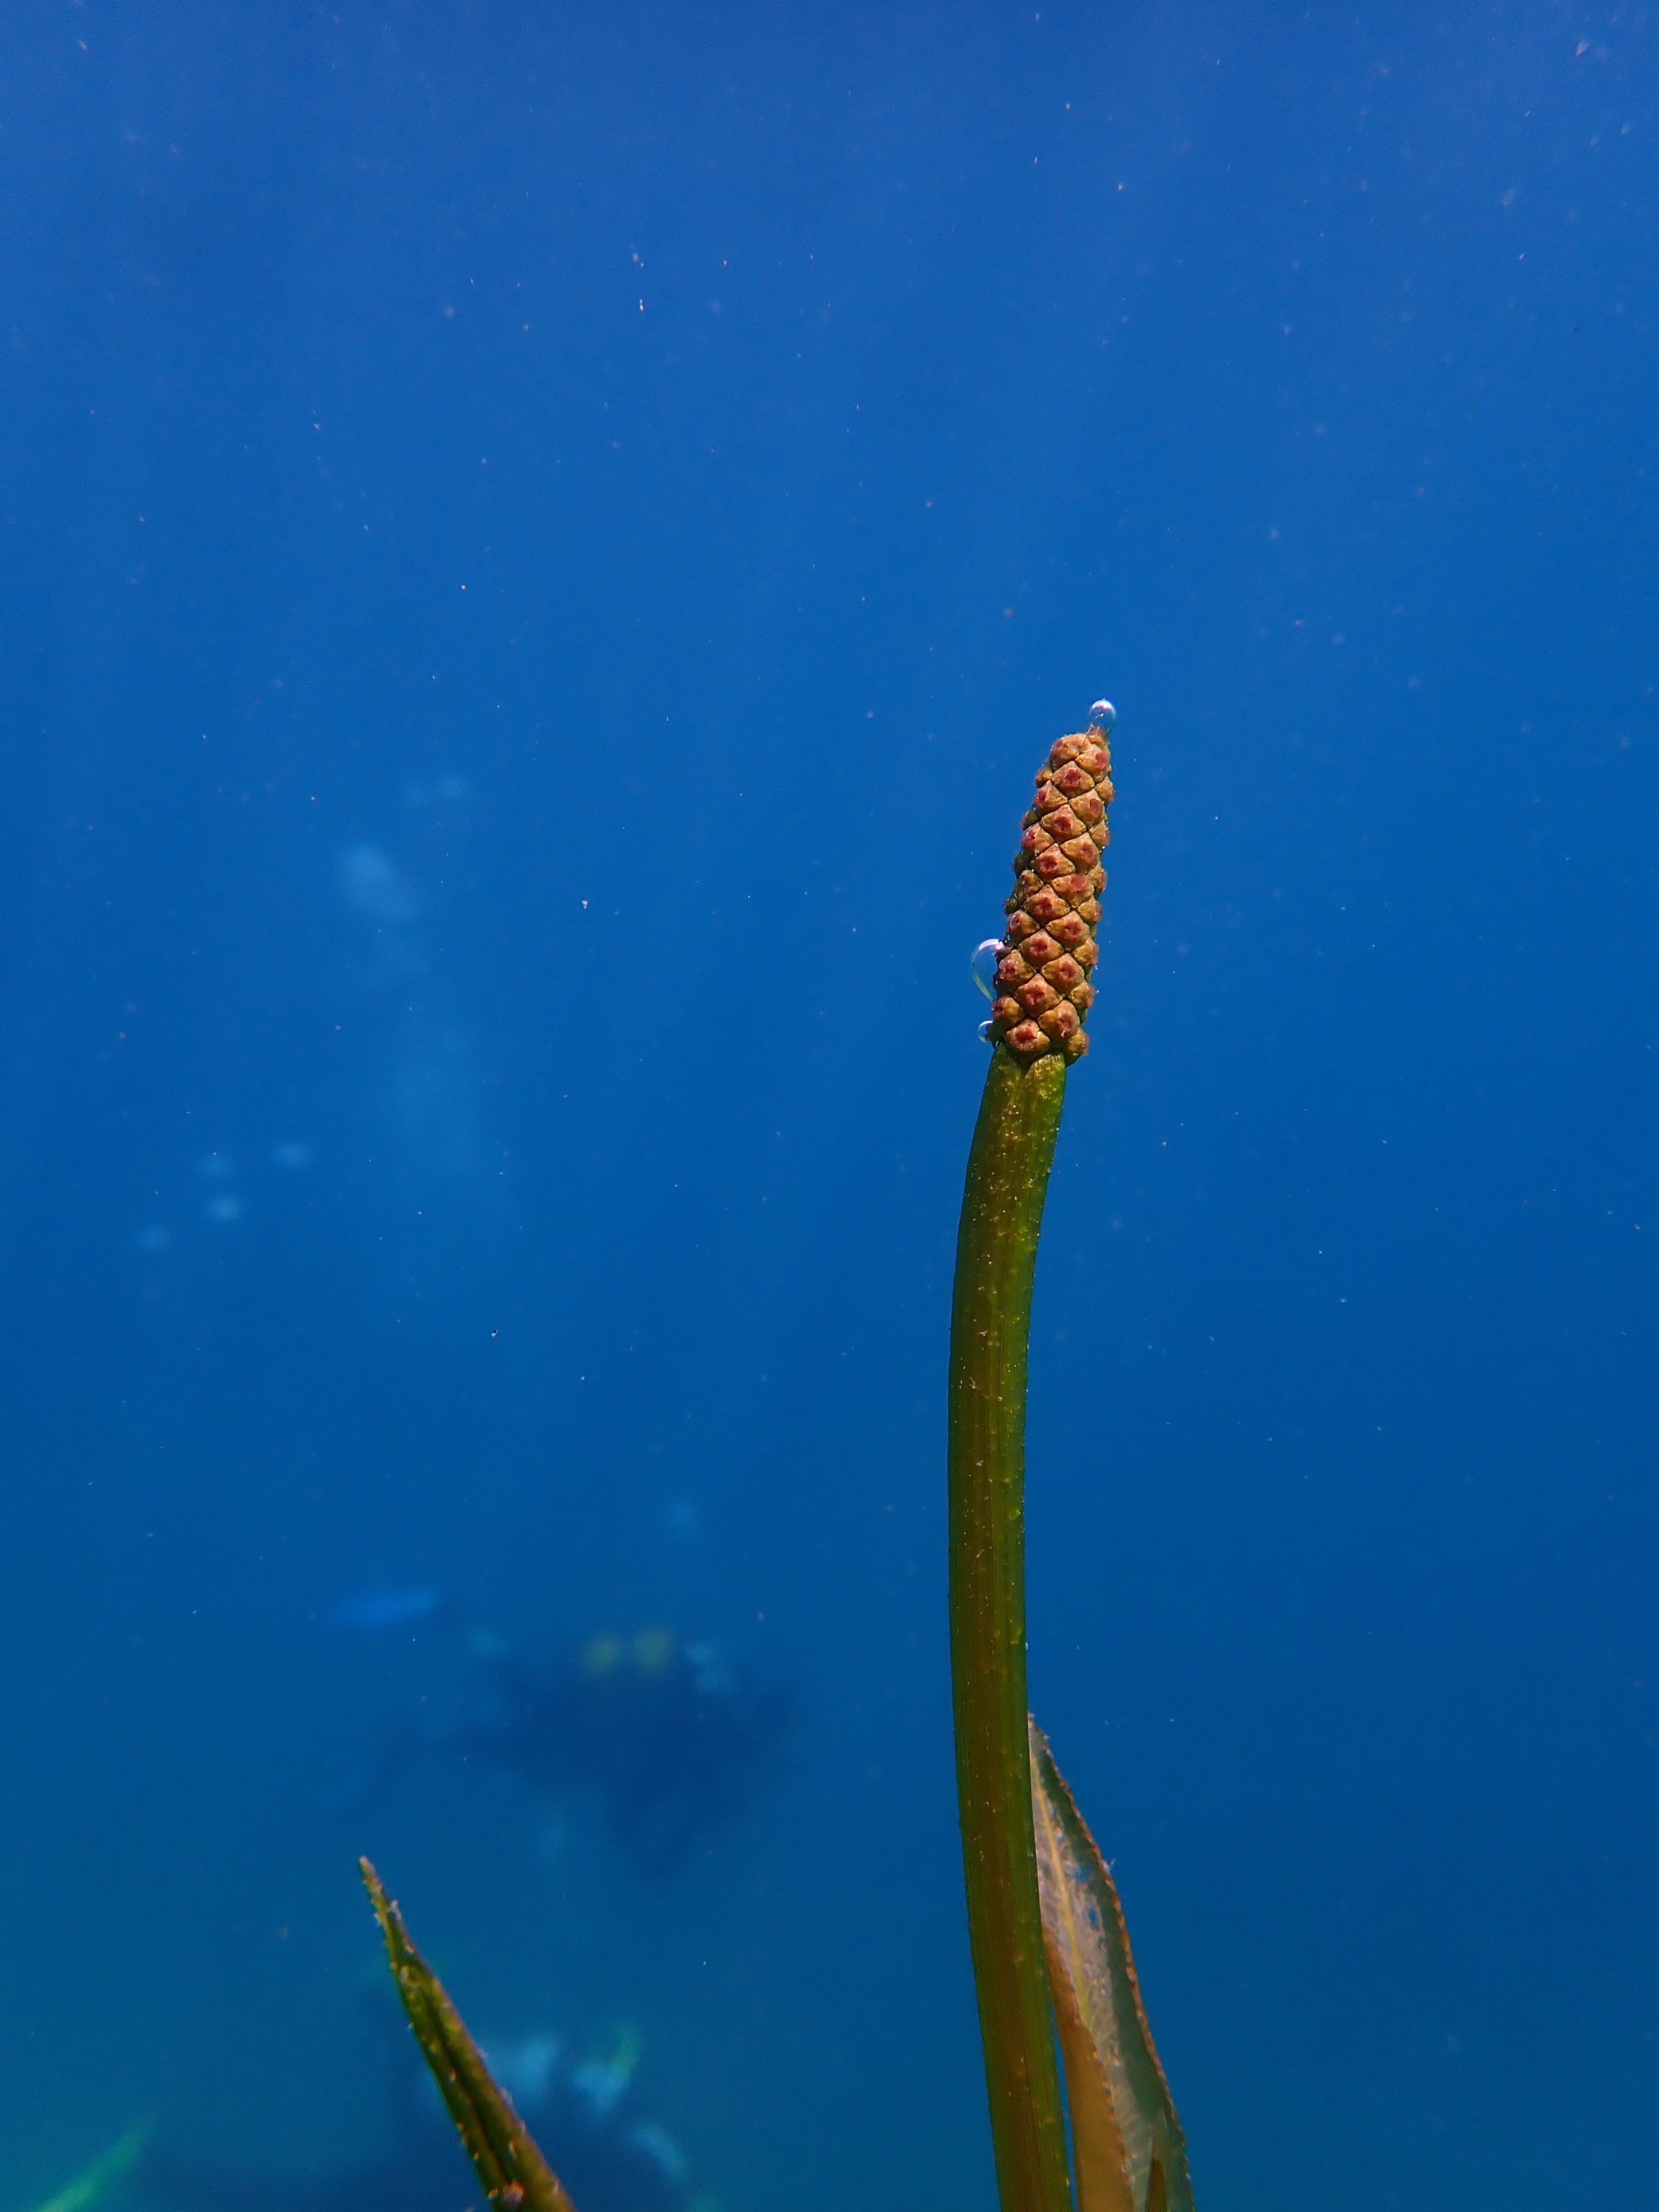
(1128, 2147)
(515, 2175)
(100, 2178)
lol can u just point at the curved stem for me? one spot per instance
(990, 1325)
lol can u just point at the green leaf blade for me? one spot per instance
(515, 2175)
(1002, 1202)
(90, 2189)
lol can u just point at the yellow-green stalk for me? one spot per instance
(1036, 1031)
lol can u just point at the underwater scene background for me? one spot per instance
(542, 546)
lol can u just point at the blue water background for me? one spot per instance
(543, 547)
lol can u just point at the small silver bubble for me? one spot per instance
(985, 1028)
(986, 956)
(1102, 714)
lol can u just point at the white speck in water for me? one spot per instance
(1102, 714)
(986, 956)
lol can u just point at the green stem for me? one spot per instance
(990, 1325)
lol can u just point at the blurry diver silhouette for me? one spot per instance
(670, 1737)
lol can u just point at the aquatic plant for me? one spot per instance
(1050, 1951)
(1043, 992)
(1128, 2149)
(514, 2174)
(1052, 1963)
(102, 2178)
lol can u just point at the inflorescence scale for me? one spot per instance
(1044, 990)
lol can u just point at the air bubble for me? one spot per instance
(1102, 714)
(984, 963)
(985, 1030)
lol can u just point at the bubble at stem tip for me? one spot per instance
(1102, 714)
(986, 956)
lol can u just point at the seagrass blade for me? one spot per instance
(1128, 2147)
(100, 2179)
(516, 2178)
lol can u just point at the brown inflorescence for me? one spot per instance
(1044, 990)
